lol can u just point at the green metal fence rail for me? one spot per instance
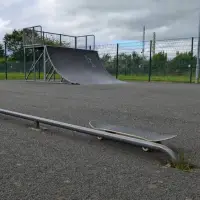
(172, 60)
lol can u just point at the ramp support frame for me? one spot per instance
(33, 66)
(35, 38)
(173, 156)
(47, 65)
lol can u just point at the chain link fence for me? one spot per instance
(161, 60)
(11, 68)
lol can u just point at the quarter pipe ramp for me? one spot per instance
(79, 66)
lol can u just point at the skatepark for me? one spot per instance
(54, 163)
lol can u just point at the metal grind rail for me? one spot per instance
(94, 132)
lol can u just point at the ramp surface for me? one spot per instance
(80, 66)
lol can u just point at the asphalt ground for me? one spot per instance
(53, 163)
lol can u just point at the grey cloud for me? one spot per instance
(154, 20)
(106, 6)
(107, 19)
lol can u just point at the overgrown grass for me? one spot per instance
(170, 78)
(183, 164)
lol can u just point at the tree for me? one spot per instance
(137, 63)
(159, 63)
(109, 63)
(123, 61)
(131, 63)
(14, 42)
(128, 63)
(1, 51)
(181, 62)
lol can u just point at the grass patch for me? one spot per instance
(20, 76)
(172, 78)
(182, 164)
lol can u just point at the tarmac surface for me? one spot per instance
(53, 163)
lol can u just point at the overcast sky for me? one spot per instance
(108, 19)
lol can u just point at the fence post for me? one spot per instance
(150, 61)
(117, 61)
(191, 66)
(75, 42)
(60, 40)
(86, 41)
(39, 68)
(6, 64)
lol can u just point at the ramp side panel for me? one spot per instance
(80, 66)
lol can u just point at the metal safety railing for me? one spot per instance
(94, 132)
